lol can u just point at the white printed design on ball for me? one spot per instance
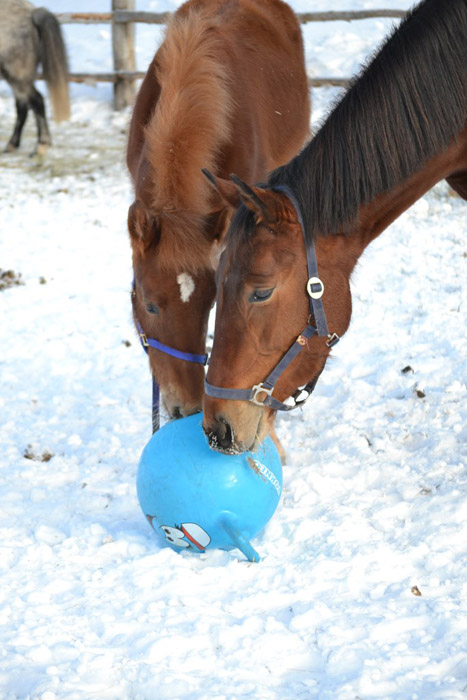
(187, 535)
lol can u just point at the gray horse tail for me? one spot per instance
(54, 61)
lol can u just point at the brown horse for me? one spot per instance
(227, 89)
(399, 129)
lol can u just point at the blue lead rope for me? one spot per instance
(156, 398)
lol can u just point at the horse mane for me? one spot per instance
(404, 108)
(191, 122)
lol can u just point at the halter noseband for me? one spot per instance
(261, 394)
(179, 354)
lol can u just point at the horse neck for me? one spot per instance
(341, 252)
(376, 216)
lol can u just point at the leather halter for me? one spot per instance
(261, 394)
(179, 354)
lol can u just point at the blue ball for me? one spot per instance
(198, 499)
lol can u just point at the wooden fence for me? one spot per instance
(123, 17)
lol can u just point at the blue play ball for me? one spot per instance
(198, 499)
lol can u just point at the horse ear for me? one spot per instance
(252, 197)
(137, 220)
(236, 192)
(226, 190)
(141, 224)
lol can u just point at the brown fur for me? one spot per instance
(192, 121)
(227, 90)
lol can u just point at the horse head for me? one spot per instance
(262, 309)
(174, 260)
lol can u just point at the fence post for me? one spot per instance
(123, 47)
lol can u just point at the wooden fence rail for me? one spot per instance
(124, 17)
(93, 78)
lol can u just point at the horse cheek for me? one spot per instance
(338, 302)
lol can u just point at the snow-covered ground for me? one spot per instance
(92, 605)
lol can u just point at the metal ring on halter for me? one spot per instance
(333, 338)
(309, 288)
(260, 389)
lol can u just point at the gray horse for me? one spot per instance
(29, 36)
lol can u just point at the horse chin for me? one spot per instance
(177, 409)
(232, 450)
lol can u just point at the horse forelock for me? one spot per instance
(241, 229)
(192, 119)
(182, 245)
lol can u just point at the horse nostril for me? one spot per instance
(220, 435)
(227, 438)
(176, 413)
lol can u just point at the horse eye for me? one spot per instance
(261, 294)
(152, 309)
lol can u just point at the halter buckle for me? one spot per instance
(304, 390)
(257, 389)
(332, 340)
(317, 294)
(144, 340)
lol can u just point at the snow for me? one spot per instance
(92, 604)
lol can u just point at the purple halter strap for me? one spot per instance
(179, 354)
(315, 289)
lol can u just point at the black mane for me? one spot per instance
(404, 108)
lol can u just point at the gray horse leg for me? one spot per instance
(21, 114)
(36, 103)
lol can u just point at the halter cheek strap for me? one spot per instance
(261, 394)
(179, 354)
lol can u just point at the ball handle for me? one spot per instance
(228, 522)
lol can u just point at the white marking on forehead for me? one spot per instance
(187, 286)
